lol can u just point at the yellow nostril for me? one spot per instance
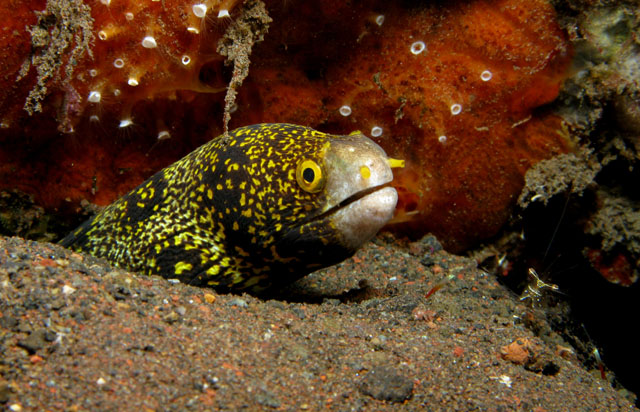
(365, 172)
(395, 162)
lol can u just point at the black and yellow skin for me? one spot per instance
(263, 207)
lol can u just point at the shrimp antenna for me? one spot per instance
(555, 231)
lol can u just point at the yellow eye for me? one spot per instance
(309, 176)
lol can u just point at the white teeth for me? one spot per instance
(223, 13)
(125, 123)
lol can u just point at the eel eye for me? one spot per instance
(309, 176)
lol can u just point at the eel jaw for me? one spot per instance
(360, 217)
(363, 214)
(359, 197)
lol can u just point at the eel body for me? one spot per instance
(261, 208)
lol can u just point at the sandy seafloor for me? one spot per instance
(77, 334)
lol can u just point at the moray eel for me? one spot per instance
(260, 208)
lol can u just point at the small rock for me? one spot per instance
(531, 355)
(241, 303)
(23, 327)
(298, 352)
(68, 290)
(299, 312)
(425, 249)
(58, 304)
(8, 322)
(36, 340)
(120, 292)
(276, 304)
(5, 392)
(268, 399)
(517, 352)
(171, 317)
(385, 384)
